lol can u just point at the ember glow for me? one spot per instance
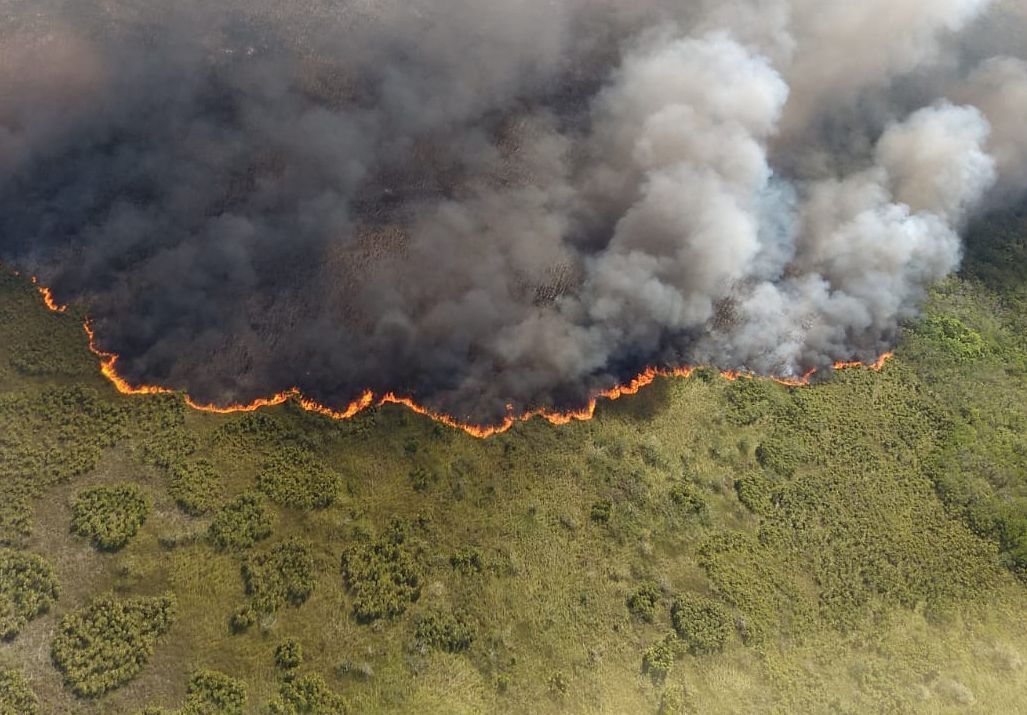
(108, 368)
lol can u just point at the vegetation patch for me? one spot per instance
(240, 523)
(444, 630)
(284, 574)
(288, 655)
(307, 695)
(702, 623)
(16, 695)
(28, 588)
(109, 515)
(644, 602)
(658, 659)
(382, 574)
(195, 486)
(105, 644)
(294, 477)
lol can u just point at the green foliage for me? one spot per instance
(780, 455)
(754, 491)
(422, 478)
(601, 510)
(213, 693)
(307, 695)
(468, 561)
(444, 630)
(951, 336)
(240, 523)
(195, 486)
(15, 519)
(109, 515)
(688, 498)
(702, 623)
(242, 619)
(658, 659)
(168, 447)
(16, 695)
(644, 601)
(106, 643)
(382, 574)
(294, 477)
(288, 655)
(28, 588)
(284, 574)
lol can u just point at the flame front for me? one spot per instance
(108, 368)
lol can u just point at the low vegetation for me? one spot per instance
(109, 515)
(106, 643)
(240, 523)
(28, 589)
(281, 575)
(382, 574)
(16, 695)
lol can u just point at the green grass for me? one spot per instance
(705, 546)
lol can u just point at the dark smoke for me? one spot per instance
(492, 204)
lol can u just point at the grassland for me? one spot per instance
(705, 546)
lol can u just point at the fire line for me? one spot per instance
(108, 368)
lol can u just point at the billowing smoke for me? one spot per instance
(495, 206)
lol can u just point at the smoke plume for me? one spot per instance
(499, 206)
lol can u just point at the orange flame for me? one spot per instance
(108, 368)
(48, 299)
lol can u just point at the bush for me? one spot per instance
(167, 447)
(753, 492)
(283, 574)
(293, 477)
(307, 694)
(383, 575)
(658, 659)
(214, 693)
(288, 655)
(105, 644)
(16, 696)
(15, 520)
(702, 623)
(28, 588)
(109, 515)
(422, 478)
(195, 486)
(644, 601)
(601, 510)
(242, 619)
(467, 561)
(240, 523)
(444, 631)
(688, 498)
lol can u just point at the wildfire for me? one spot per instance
(108, 368)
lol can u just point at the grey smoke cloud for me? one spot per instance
(499, 206)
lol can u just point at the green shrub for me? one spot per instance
(780, 456)
(601, 510)
(644, 601)
(950, 335)
(105, 644)
(243, 618)
(558, 683)
(658, 659)
(28, 588)
(702, 623)
(15, 519)
(383, 575)
(753, 492)
(289, 655)
(421, 478)
(214, 693)
(16, 696)
(284, 574)
(195, 486)
(293, 477)
(468, 561)
(168, 447)
(688, 498)
(240, 523)
(307, 694)
(443, 630)
(109, 515)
